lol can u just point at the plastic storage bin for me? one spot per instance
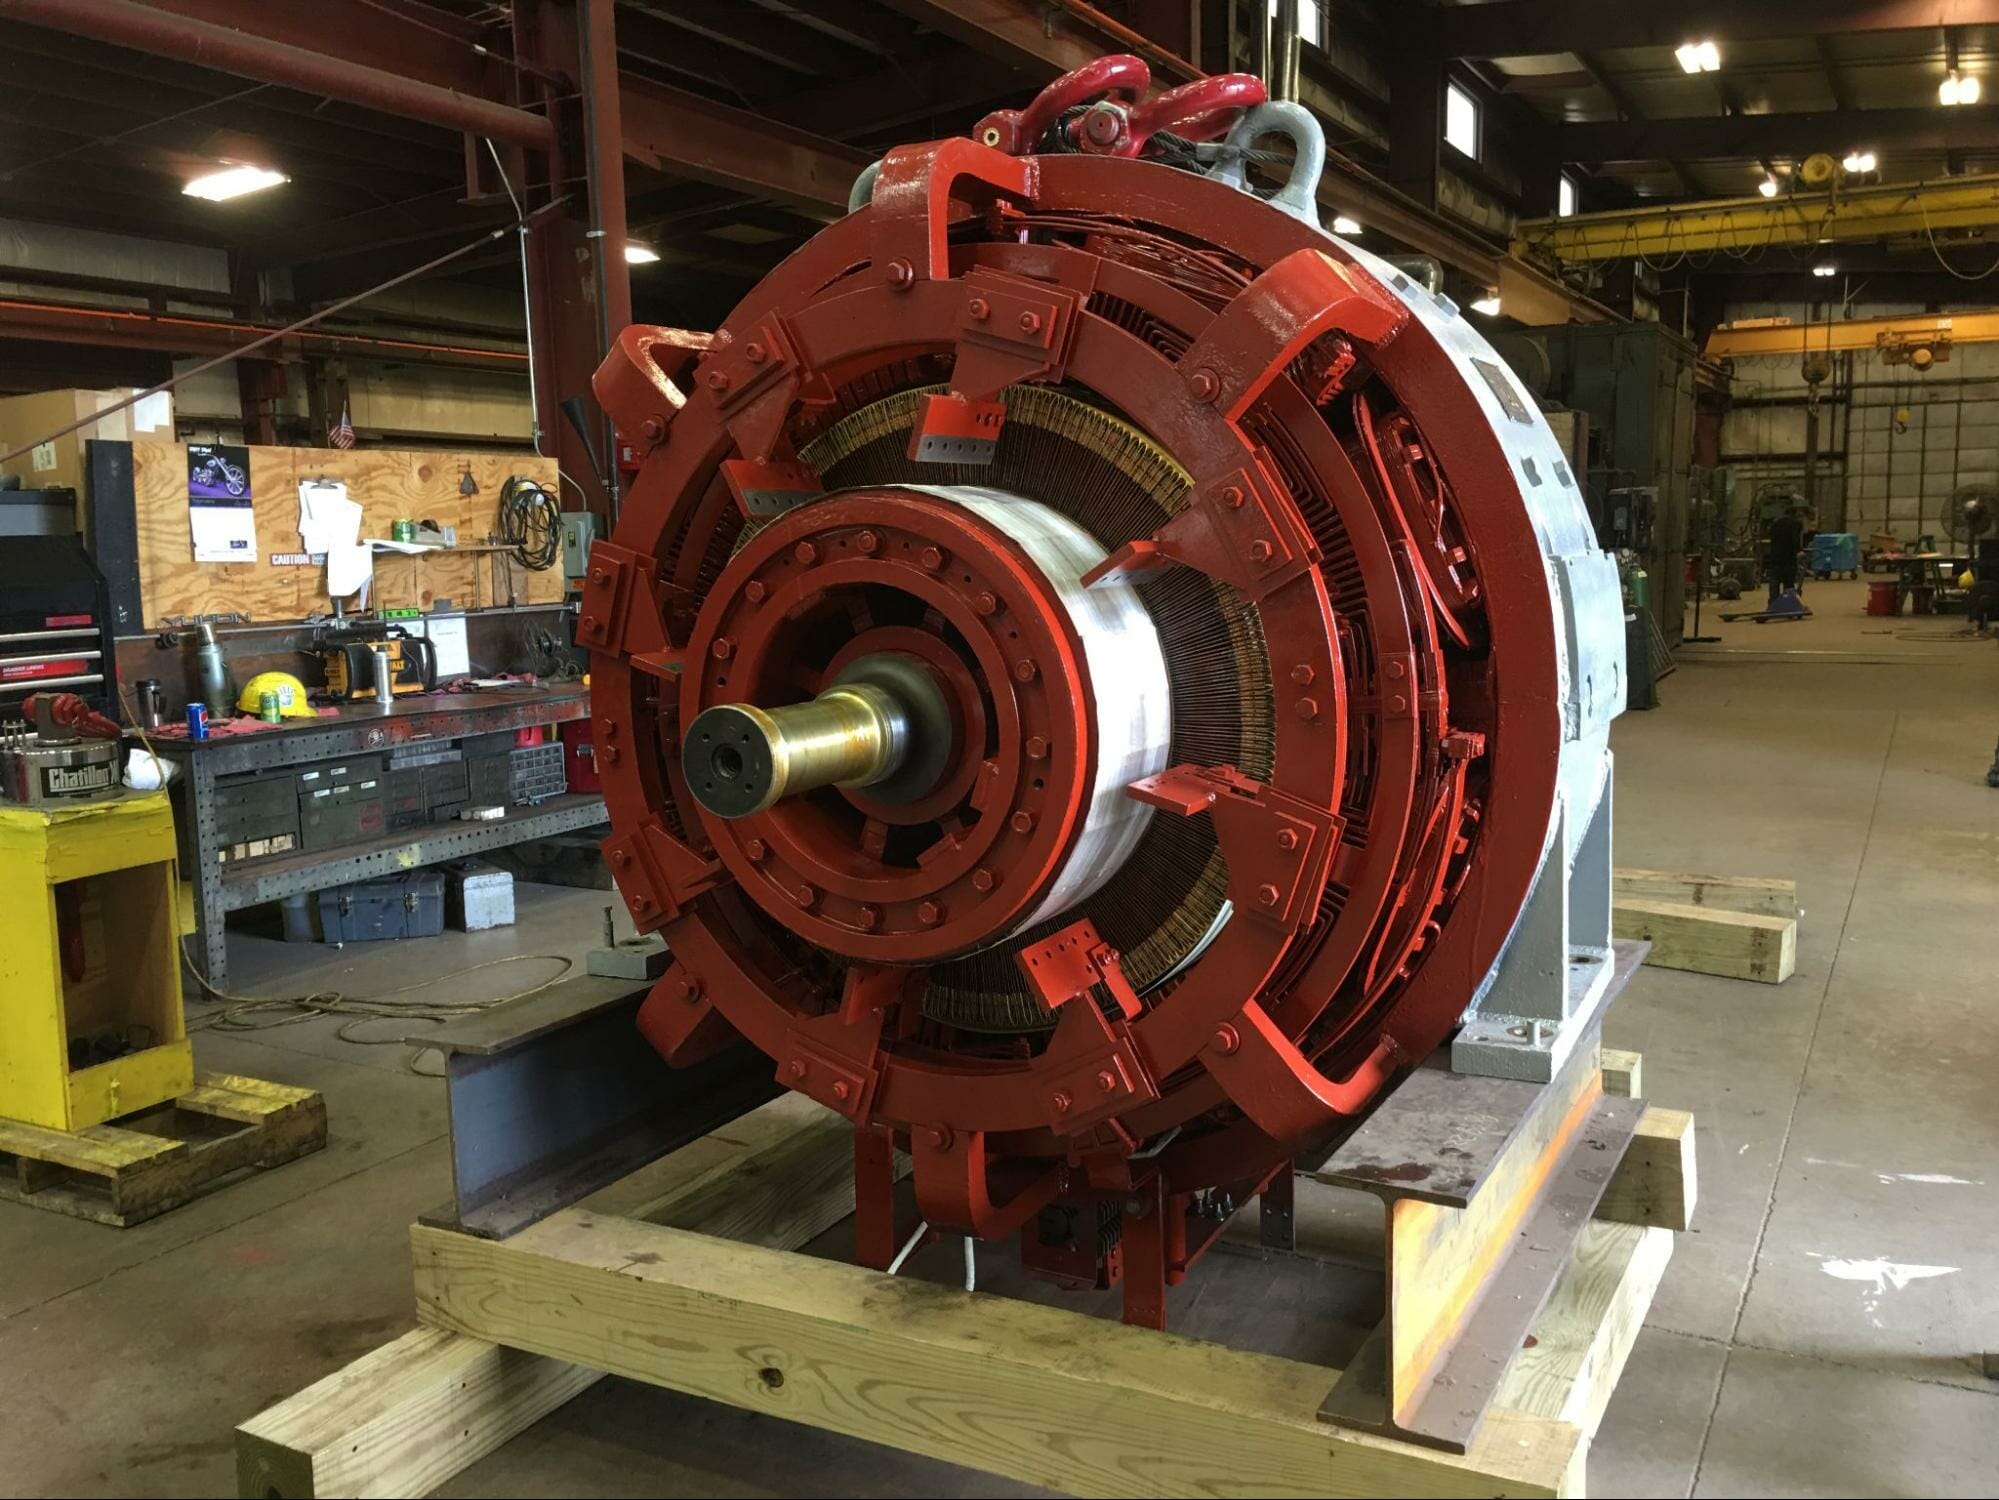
(376, 910)
(539, 773)
(1836, 552)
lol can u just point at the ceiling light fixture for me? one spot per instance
(1487, 305)
(1860, 161)
(639, 255)
(1343, 225)
(1967, 89)
(1947, 91)
(1698, 57)
(233, 182)
(1768, 186)
(1825, 268)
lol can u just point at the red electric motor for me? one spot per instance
(1080, 678)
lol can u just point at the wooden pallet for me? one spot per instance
(687, 1276)
(144, 1164)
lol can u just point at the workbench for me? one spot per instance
(221, 888)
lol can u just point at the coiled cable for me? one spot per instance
(530, 521)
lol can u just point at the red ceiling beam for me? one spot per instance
(1525, 28)
(168, 334)
(399, 62)
(397, 36)
(203, 44)
(733, 148)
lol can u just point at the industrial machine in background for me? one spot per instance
(1098, 678)
(1635, 385)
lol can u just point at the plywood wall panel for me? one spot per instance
(390, 485)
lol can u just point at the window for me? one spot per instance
(1311, 20)
(1461, 120)
(1565, 197)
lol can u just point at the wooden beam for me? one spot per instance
(1621, 1073)
(1657, 1183)
(1773, 898)
(779, 1177)
(1583, 1339)
(1040, 1394)
(1708, 940)
(372, 1428)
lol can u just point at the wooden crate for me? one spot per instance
(687, 1276)
(144, 1164)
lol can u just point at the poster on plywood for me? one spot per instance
(221, 514)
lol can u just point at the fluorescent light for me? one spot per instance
(1825, 268)
(233, 182)
(1489, 306)
(1859, 161)
(1768, 186)
(1698, 57)
(1947, 91)
(1343, 225)
(1967, 89)
(639, 255)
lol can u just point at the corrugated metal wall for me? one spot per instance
(1893, 444)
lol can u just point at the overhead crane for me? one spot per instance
(1725, 226)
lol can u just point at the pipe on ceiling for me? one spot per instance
(123, 23)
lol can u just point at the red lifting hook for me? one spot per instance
(1118, 125)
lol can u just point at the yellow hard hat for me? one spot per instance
(1966, 579)
(290, 691)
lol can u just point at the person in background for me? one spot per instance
(1780, 558)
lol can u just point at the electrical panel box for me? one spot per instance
(579, 532)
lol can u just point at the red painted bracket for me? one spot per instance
(679, 1019)
(1093, 1070)
(835, 1061)
(1012, 329)
(637, 382)
(1236, 528)
(1279, 847)
(1068, 964)
(954, 1186)
(912, 200)
(876, 990)
(620, 615)
(770, 489)
(658, 875)
(952, 430)
(1253, 340)
(755, 381)
(1265, 1074)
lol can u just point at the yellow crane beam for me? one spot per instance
(1900, 337)
(1867, 212)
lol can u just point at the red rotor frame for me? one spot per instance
(1413, 654)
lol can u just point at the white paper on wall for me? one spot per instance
(223, 533)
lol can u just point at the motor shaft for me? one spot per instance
(741, 759)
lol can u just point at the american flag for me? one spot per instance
(341, 434)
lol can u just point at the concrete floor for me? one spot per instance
(1818, 1331)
